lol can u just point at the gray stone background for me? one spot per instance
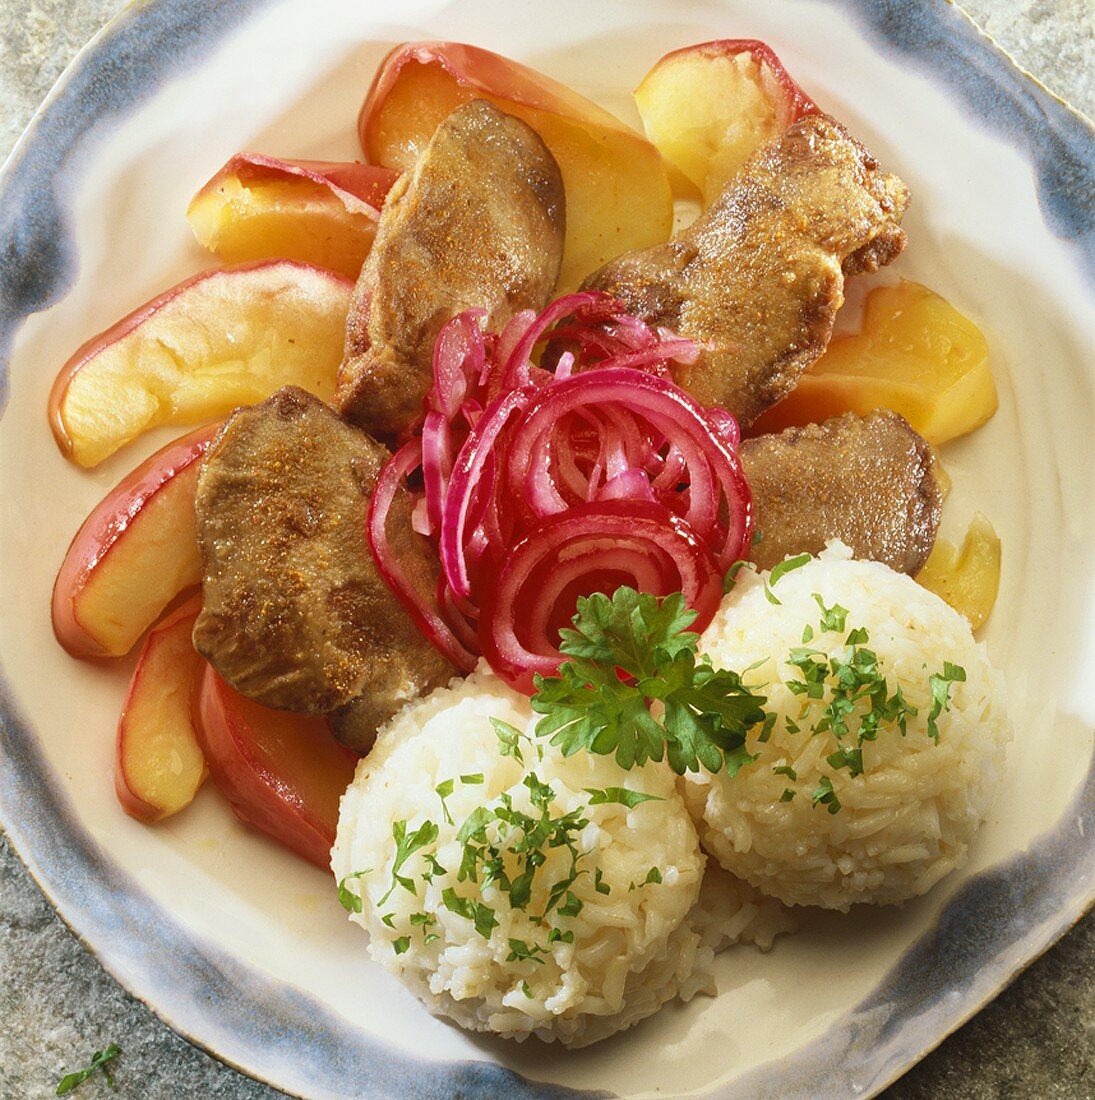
(1037, 1040)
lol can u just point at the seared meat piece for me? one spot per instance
(295, 614)
(866, 480)
(478, 223)
(758, 278)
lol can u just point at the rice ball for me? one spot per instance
(799, 823)
(617, 941)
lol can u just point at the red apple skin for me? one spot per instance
(483, 71)
(118, 517)
(796, 103)
(120, 329)
(367, 183)
(160, 690)
(282, 773)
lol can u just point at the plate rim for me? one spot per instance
(878, 20)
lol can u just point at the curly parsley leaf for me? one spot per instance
(626, 654)
(99, 1060)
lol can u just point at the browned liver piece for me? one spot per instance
(478, 223)
(758, 278)
(295, 614)
(866, 480)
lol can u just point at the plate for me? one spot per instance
(241, 948)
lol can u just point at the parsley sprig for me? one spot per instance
(98, 1061)
(632, 686)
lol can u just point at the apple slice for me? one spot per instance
(159, 765)
(708, 107)
(966, 576)
(283, 773)
(617, 190)
(258, 207)
(223, 338)
(135, 552)
(914, 353)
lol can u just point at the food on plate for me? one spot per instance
(868, 481)
(708, 107)
(159, 764)
(914, 353)
(133, 555)
(220, 339)
(319, 212)
(282, 773)
(757, 279)
(618, 196)
(294, 613)
(612, 713)
(887, 743)
(496, 249)
(966, 576)
(520, 891)
(540, 486)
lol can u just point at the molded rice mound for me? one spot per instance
(633, 949)
(909, 818)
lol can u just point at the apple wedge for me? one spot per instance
(221, 339)
(258, 207)
(283, 773)
(914, 353)
(617, 191)
(135, 552)
(159, 765)
(708, 107)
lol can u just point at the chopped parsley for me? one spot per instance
(624, 796)
(826, 796)
(405, 847)
(98, 1061)
(350, 901)
(781, 570)
(706, 712)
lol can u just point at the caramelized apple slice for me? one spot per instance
(135, 552)
(221, 339)
(159, 765)
(708, 107)
(915, 354)
(617, 191)
(967, 577)
(283, 773)
(259, 207)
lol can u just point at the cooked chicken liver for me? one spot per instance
(295, 614)
(758, 278)
(478, 223)
(866, 480)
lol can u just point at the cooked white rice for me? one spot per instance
(909, 818)
(633, 949)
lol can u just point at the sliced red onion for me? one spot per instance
(425, 616)
(634, 542)
(540, 485)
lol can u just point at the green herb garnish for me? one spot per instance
(707, 712)
(624, 796)
(781, 570)
(98, 1061)
(940, 685)
(350, 901)
(826, 796)
(405, 847)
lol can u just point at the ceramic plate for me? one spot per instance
(241, 947)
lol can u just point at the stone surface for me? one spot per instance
(1037, 1040)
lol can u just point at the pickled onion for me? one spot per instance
(541, 485)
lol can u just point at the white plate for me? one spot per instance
(242, 948)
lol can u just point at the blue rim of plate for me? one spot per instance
(996, 924)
